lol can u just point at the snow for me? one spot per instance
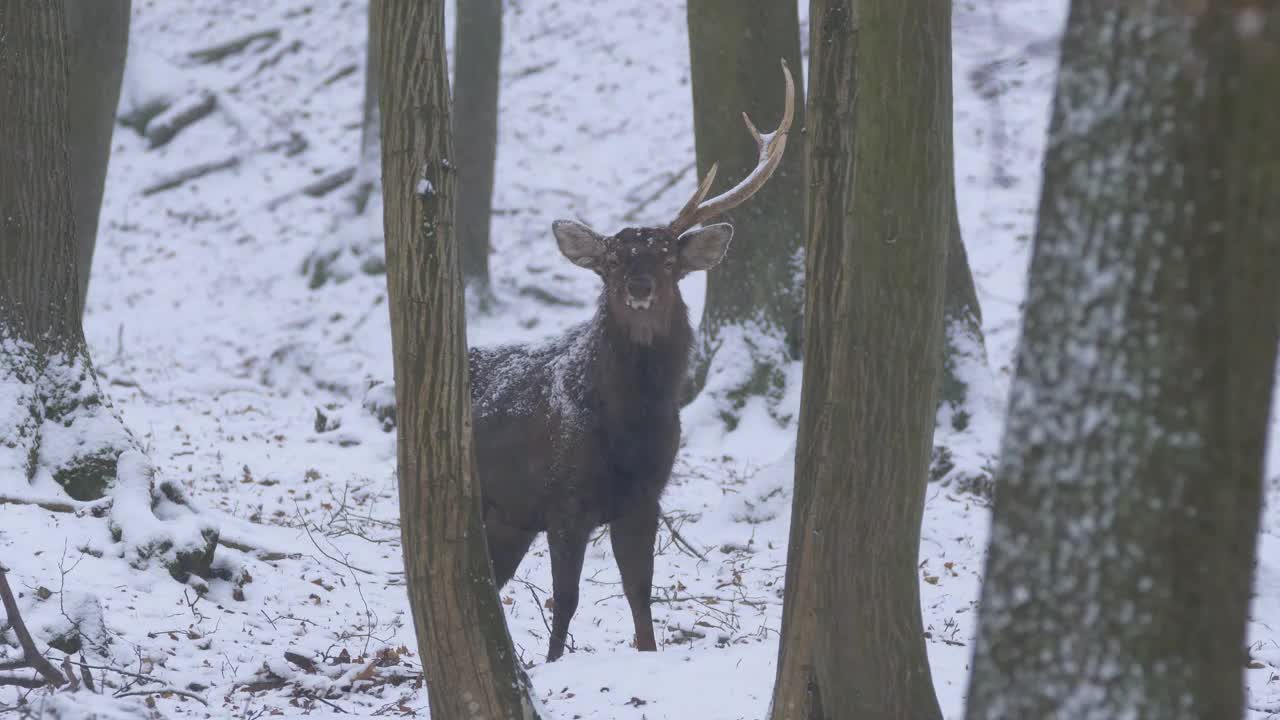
(218, 355)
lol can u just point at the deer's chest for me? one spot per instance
(635, 461)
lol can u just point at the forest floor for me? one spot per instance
(222, 360)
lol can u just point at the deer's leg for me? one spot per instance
(568, 546)
(632, 536)
(507, 547)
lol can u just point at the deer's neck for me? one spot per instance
(643, 377)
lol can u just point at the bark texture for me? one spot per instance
(37, 246)
(478, 47)
(757, 290)
(1130, 483)
(879, 214)
(470, 667)
(98, 34)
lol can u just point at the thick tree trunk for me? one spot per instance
(98, 34)
(1130, 484)
(55, 424)
(755, 296)
(37, 294)
(478, 48)
(467, 657)
(879, 216)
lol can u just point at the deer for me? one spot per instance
(582, 430)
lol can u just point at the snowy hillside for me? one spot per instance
(247, 386)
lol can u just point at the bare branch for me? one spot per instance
(30, 653)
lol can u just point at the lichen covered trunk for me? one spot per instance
(879, 217)
(751, 324)
(467, 657)
(1130, 482)
(58, 431)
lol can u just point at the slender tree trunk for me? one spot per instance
(353, 243)
(478, 47)
(55, 423)
(879, 216)
(370, 125)
(755, 296)
(962, 459)
(467, 657)
(1130, 484)
(98, 34)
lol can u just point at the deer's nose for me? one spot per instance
(640, 287)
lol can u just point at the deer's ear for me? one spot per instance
(703, 248)
(583, 246)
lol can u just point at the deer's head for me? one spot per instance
(640, 266)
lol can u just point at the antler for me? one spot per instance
(771, 146)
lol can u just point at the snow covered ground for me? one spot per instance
(220, 358)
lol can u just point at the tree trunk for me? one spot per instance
(879, 216)
(353, 243)
(478, 47)
(467, 657)
(1123, 540)
(962, 456)
(55, 423)
(755, 296)
(98, 33)
(367, 166)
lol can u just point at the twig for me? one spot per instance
(29, 651)
(680, 542)
(326, 702)
(160, 691)
(667, 184)
(307, 526)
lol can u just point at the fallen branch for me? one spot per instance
(97, 509)
(196, 171)
(30, 653)
(291, 146)
(221, 51)
(316, 188)
(182, 114)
